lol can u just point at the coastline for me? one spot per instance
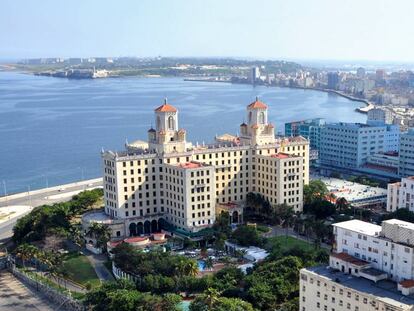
(368, 105)
(363, 110)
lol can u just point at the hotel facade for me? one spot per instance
(168, 181)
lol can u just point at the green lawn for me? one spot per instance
(80, 270)
(288, 242)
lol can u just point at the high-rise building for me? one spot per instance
(348, 145)
(379, 114)
(168, 181)
(380, 75)
(333, 80)
(401, 195)
(360, 72)
(310, 129)
(407, 154)
(254, 74)
(370, 268)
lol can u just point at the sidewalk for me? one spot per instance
(98, 263)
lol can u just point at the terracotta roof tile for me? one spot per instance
(348, 258)
(257, 105)
(407, 283)
(166, 107)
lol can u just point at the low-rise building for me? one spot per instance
(370, 268)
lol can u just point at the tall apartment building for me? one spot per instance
(310, 129)
(333, 80)
(348, 145)
(168, 180)
(401, 195)
(378, 114)
(371, 268)
(407, 154)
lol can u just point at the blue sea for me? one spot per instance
(52, 130)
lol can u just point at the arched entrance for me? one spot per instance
(154, 226)
(147, 227)
(235, 217)
(132, 229)
(140, 228)
(162, 224)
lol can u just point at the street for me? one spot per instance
(40, 197)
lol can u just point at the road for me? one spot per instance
(16, 296)
(43, 196)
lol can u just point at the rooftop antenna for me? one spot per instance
(165, 100)
(257, 98)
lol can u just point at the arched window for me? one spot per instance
(262, 118)
(158, 123)
(171, 123)
(250, 117)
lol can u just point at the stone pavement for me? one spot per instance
(15, 296)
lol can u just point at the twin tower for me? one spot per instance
(168, 138)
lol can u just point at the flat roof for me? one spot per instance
(400, 223)
(359, 226)
(353, 192)
(383, 290)
(190, 165)
(281, 155)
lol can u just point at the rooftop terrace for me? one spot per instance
(384, 290)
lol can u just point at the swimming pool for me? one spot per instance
(201, 264)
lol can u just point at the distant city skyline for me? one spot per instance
(369, 30)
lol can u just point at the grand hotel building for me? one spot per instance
(168, 180)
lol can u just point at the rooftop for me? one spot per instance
(257, 105)
(383, 290)
(407, 283)
(348, 258)
(354, 193)
(360, 227)
(400, 223)
(166, 107)
(281, 155)
(190, 165)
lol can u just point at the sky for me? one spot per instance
(375, 30)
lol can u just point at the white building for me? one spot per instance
(371, 268)
(401, 195)
(389, 248)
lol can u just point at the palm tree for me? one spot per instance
(209, 263)
(101, 233)
(211, 297)
(54, 264)
(26, 252)
(342, 204)
(191, 268)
